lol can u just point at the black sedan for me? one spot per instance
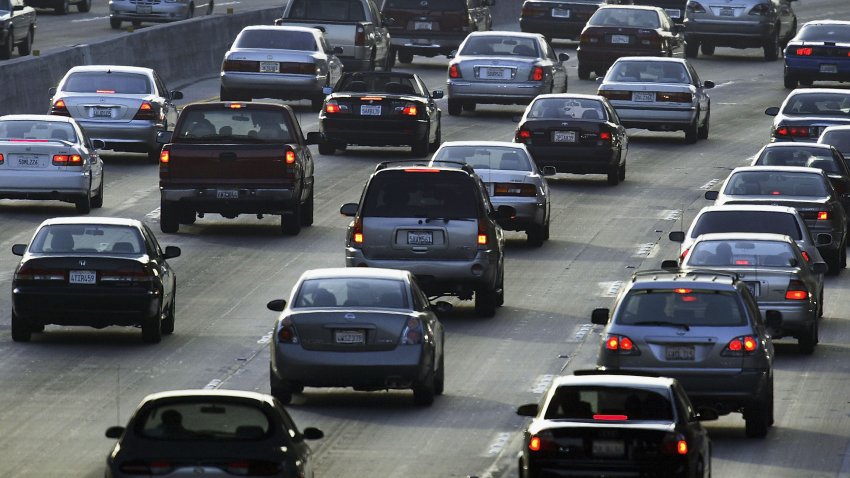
(96, 272)
(806, 112)
(575, 133)
(380, 109)
(210, 433)
(598, 424)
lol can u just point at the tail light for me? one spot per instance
(357, 232)
(674, 97)
(695, 7)
(796, 291)
(621, 345)
(650, 39)
(610, 418)
(803, 51)
(532, 10)
(126, 275)
(146, 112)
(67, 160)
(164, 158)
(252, 468)
(290, 157)
(360, 36)
(541, 443)
(153, 467)
(587, 37)
(513, 189)
(674, 444)
(740, 346)
(616, 95)
(2, 159)
(240, 65)
(605, 136)
(409, 110)
(454, 71)
(412, 333)
(796, 131)
(59, 108)
(483, 236)
(761, 10)
(334, 107)
(286, 333)
(823, 215)
(27, 272)
(522, 136)
(806, 256)
(536, 74)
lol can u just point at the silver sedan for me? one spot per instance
(283, 62)
(503, 67)
(155, 11)
(512, 179)
(49, 157)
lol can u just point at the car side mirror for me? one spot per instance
(442, 307)
(276, 305)
(562, 57)
(708, 84)
(528, 410)
(505, 212)
(711, 195)
(707, 414)
(19, 249)
(670, 264)
(51, 91)
(176, 95)
(437, 94)
(600, 316)
(314, 137)
(163, 137)
(114, 432)
(98, 143)
(327, 90)
(312, 433)
(171, 252)
(772, 111)
(549, 171)
(349, 209)
(337, 50)
(824, 239)
(677, 236)
(820, 268)
(452, 54)
(773, 319)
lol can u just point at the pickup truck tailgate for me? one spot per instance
(228, 163)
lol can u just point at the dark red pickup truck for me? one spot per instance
(236, 158)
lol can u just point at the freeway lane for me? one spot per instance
(61, 391)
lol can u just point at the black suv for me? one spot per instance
(436, 222)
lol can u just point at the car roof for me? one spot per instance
(283, 28)
(826, 22)
(246, 105)
(663, 278)
(505, 33)
(202, 394)
(115, 68)
(780, 169)
(34, 117)
(796, 145)
(803, 91)
(94, 221)
(611, 380)
(355, 273)
(628, 59)
(632, 7)
(838, 127)
(569, 96)
(485, 144)
(744, 236)
(748, 207)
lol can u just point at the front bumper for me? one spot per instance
(273, 85)
(85, 305)
(133, 136)
(373, 132)
(575, 159)
(490, 92)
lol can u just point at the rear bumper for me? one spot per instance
(134, 136)
(796, 317)
(529, 212)
(164, 12)
(577, 159)
(729, 33)
(424, 44)
(654, 118)
(809, 68)
(250, 200)
(39, 185)
(553, 28)
(389, 132)
(556, 468)
(495, 93)
(726, 390)
(272, 85)
(99, 307)
(599, 59)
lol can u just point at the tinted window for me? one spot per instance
(825, 33)
(258, 124)
(684, 306)
(775, 183)
(348, 292)
(587, 402)
(839, 139)
(747, 221)
(570, 108)
(489, 45)
(207, 421)
(107, 239)
(378, 83)
(486, 157)
(5, 5)
(342, 10)
(444, 194)
(452, 5)
(795, 156)
(821, 104)
(625, 17)
(742, 253)
(648, 72)
(276, 40)
(103, 82)
(17, 129)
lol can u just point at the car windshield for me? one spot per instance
(204, 420)
(108, 82)
(838, 138)
(419, 192)
(648, 72)
(366, 82)
(486, 157)
(491, 45)
(742, 253)
(347, 292)
(276, 39)
(747, 221)
(567, 108)
(575, 402)
(450, 5)
(838, 33)
(235, 124)
(775, 183)
(819, 104)
(38, 130)
(625, 17)
(685, 307)
(88, 238)
(802, 155)
(334, 10)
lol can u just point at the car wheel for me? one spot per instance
(436, 144)
(500, 291)
(692, 131)
(757, 417)
(440, 377)
(455, 107)
(772, 47)
(283, 394)
(707, 49)
(546, 227)
(789, 80)
(833, 261)
(534, 236)
(25, 47)
(691, 48)
(806, 342)
(420, 147)
(188, 216)
(290, 224)
(115, 23)
(485, 302)
(405, 56)
(326, 148)
(21, 331)
(6, 51)
(621, 171)
(97, 200)
(83, 203)
(168, 321)
(152, 329)
(307, 209)
(62, 7)
(84, 6)
(613, 175)
(210, 7)
(388, 61)
(169, 218)
(702, 133)
(469, 106)
(583, 72)
(424, 391)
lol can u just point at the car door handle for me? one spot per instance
(227, 156)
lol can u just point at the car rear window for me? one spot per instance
(820, 104)
(276, 40)
(89, 238)
(235, 124)
(747, 221)
(840, 139)
(352, 292)
(205, 421)
(450, 5)
(337, 10)
(567, 108)
(491, 45)
(378, 83)
(421, 192)
(742, 254)
(107, 83)
(776, 183)
(648, 72)
(682, 306)
(797, 156)
(26, 129)
(624, 17)
(486, 157)
(606, 403)
(824, 33)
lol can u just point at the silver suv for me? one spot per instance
(436, 222)
(702, 328)
(767, 24)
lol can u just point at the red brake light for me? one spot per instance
(332, 108)
(782, 131)
(806, 256)
(804, 51)
(409, 110)
(536, 74)
(523, 135)
(611, 417)
(682, 447)
(146, 112)
(454, 72)
(357, 231)
(605, 136)
(511, 189)
(290, 157)
(740, 346)
(67, 159)
(534, 443)
(735, 345)
(823, 215)
(683, 291)
(796, 291)
(742, 262)
(235, 106)
(621, 344)
(164, 157)
(105, 91)
(421, 170)
(360, 36)
(750, 344)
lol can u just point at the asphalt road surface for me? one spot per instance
(60, 392)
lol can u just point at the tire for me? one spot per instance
(692, 131)
(391, 59)
(210, 7)
(621, 173)
(316, 104)
(583, 72)
(388, 62)
(188, 216)
(424, 391)
(789, 81)
(307, 209)
(469, 106)
(83, 204)
(283, 394)
(437, 140)
(115, 23)
(807, 82)
(702, 132)
(405, 56)
(455, 107)
(21, 331)
(326, 148)
(168, 321)
(757, 417)
(614, 175)
(691, 48)
(25, 47)
(6, 51)
(440, 377)
(153, 155)
(534, 236)
(169, 218)
(772, 48)
(152, 330)
(833, 261)
(707, 49)
(97, 200)
(84, 6)
(485, 302)
(62, 8)
(806, 343)
(420, 148)
(290, 225)
(546, 227)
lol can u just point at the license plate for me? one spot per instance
(349, 337)
(100, 112)
(560, 13)
(643, 96)
(673, 12)
(494, 73)
(143, 9)
(423, 26)
(754, 288)
(609, 448)
(28, 161)
(829, 68)
(82, 277)
(227, 194)
(420, 238)
(726, 12)
(269, 67)
(680, 352)
(620, 39)
(564, 137)
(370, 110)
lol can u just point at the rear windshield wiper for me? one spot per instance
(663, 322)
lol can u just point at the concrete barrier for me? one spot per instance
(180, 52)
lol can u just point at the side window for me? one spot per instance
(612, 113)
(683, 405)
(151, 243)
(160, 86)
(375, 14)
(694, 77)
(422, 87)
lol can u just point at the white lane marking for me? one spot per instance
(582, 331)
(709, 185)
(646, 250)
(214, 384)
(671, 214)
(542, 383)
(153, 215)
(135, 198)
(498, 444)
(266, 338)
(90, 19)
(610, 289)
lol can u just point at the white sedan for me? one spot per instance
(49, 157)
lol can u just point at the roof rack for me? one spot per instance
(680, 272)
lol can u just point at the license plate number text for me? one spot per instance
(370, 110)
(643, 96)
(620, 39)
(560, 13)
(493, 73)
(829, 68)
(564, 137)
(82, 277)
(420, 238)
(98, 112)
(269, 67)
(609, 448)
(349, 337)
(227, 194)
(423, 26)
(680, 352)
(28, 161)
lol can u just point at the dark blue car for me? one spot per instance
(820, 51)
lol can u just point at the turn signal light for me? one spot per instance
(164, 157)
(332, 108)
(740, 346)
(409, 110)
(2, 159)
(534, 443)
(59, 108)
(621, 344)
(682, 447)
(357, 231)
